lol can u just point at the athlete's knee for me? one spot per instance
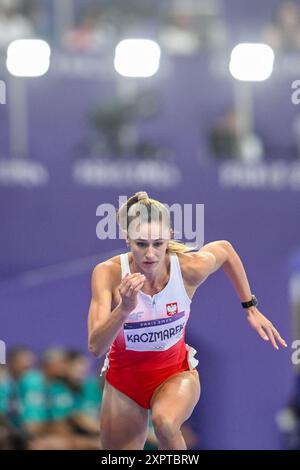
(165, 427)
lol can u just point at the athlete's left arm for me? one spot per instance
(219, 254)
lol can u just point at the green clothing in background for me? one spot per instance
(32, 390)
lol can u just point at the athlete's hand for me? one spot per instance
(128, 289)
(264, 327)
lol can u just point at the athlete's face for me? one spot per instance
(149, 246)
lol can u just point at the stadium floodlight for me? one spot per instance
(251, 62)
(28, 57)
(137, 58)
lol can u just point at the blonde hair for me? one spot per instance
(155, 211)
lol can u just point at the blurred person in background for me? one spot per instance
(224, 137)
(228, 141)
(54, 365)
(48, 408)
(13, 23)
(191, 25)
(91, 32)
(86, 394)
(65, 373)
(50, 403)
(22, 399)
(4, 389)
(20, 366)
(283, 34)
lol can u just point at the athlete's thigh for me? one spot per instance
(123, 423)
(175, 399)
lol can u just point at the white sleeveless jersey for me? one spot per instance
(158, 321)
(156, 327)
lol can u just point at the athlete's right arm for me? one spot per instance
(103, 324)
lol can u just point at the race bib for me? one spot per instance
(155, 335)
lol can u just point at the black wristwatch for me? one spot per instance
(252, 303)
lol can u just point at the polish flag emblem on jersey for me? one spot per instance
(172, 308)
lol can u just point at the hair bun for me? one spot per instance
(142, 195)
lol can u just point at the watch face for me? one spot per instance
(254, 300)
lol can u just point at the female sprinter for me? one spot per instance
(139, 310)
